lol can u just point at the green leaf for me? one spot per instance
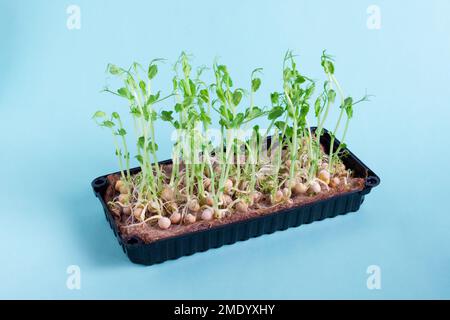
(153, 115)
(121, 132)
(182, 85)
(348, 106)
(237, 97)
(153, 98)
(223, 123)
(114, 70)
(115, 115)
(228, 80)
(166, 116)
(253, 113)
(185, 65)
(205, 118)
(304, 110)
(225, 113)
(130, 82)
(188, 100)
(142, 85)
(192, 116)
(192, 87)
(139, 159)
(349, 111)
(178, 107)
(135, 111)
(348, 101)
(204, 95)
(280, 125)
(287, 73)
(175, 83)
(275, 113)
(318, 106)
(331, 95)
(145, 114)
(300, 79)
(289, 131)
(274, 97)
(309, 91)
(153, 147)
(152, 71)
(237, 121)
(256, 83)
(99, 114)
(108, 124)
(141, 142)
(328, 66)
(222, 68)
(123, 92)
(220, 95)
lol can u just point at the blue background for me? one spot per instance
(50, 78)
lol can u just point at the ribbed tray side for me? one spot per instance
(174, 248)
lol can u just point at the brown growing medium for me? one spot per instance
(150, 232)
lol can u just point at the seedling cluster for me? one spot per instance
(245, 167)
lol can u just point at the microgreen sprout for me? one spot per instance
(346, 107)
(114, 123)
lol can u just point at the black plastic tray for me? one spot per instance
(217, 236)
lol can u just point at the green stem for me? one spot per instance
(294, 148)
(119, 157)
(125, 148)
(155, 157)
(341, 94)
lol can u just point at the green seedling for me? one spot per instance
(346, 107)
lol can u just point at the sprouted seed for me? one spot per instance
(299, 188)
(175, 217)
(241, 206)
(335, 182)
(324, 175)
(118, 185)
(123, 198)
(207, 214)
(236, 173)
(315, 187)
(164, 223)
(190, 218)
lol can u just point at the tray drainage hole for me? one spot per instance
(133, 240)
(372, 181)
(100, 182)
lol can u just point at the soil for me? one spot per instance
(150, 233)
